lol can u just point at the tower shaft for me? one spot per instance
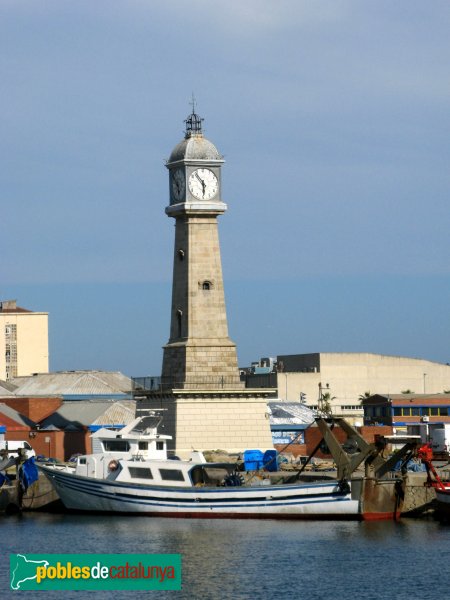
(199, 352)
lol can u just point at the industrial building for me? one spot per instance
(344, 379)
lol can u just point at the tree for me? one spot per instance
(408, 391)
(325, 408)
(364, 396)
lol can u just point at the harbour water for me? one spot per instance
(257, 560)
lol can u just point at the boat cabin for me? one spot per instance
(139, 439)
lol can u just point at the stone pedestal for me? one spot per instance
(231, 420)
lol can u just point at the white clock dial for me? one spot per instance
(203, 184)
(178, 185)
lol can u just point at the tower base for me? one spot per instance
(230, 420)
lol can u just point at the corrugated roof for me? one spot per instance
(121, 412)
(82, 413)
(73, 383)
(6, 389)
(292, 413)
(15, 416)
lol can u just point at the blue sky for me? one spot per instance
(333, 119)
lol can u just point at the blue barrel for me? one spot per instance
(270, 460)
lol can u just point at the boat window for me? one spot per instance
(160, 445)
(140, 472)
(82, 461)
(171, 475)
(143, 445)
(116, 445)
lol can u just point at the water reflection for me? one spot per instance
(252, 559)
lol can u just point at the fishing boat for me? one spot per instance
(133, 473)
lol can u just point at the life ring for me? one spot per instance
(113, 465)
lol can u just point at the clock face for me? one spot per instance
(178, 185)
(203, 184)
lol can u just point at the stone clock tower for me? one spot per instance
(199, 352)
(207, 405)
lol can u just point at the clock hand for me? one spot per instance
(203, 184)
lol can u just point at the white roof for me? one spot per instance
(6, 389)
(72, 383)
(290, 413)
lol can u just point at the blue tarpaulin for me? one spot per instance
(411, 465)
(28, 473)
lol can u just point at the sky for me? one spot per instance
(333, 120)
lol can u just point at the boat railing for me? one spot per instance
(139, 457)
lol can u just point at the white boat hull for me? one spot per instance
(299, 501)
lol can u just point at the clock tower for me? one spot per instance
(206, 404)
(199, 352)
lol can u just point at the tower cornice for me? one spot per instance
(196, 208)
(193, 162)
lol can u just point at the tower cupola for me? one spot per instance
(195, 172)
(194, 146)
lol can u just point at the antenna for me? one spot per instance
(192, 103)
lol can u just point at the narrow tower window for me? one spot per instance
(181, 254)
(179, 317)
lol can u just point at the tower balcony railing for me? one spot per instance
(153, 384)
